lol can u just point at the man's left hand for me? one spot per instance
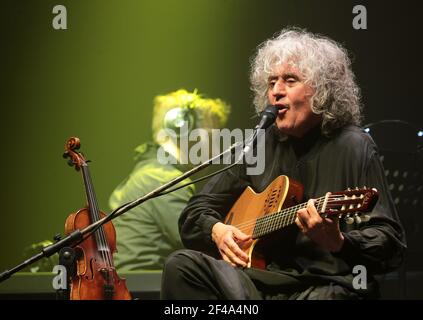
(323, 231)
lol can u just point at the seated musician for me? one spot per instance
(316, 140)
(148, 233)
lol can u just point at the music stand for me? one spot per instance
(400, 148)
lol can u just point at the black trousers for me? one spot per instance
(190, 275)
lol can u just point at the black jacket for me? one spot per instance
(347, 159)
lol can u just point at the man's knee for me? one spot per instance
(177, 270)
(178, 261)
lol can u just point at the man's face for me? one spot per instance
(287, 90)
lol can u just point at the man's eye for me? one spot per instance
(272, 83)
(291, 80)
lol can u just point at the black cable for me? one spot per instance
(110, 216)
(197, 180)
(392, 121)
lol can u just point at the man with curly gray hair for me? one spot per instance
(323, 66)
(317, 141)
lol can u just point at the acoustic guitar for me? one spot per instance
(262, 214)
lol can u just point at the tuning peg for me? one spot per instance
(357, 219)
(365, 218)
(349, 220)
(70, 162)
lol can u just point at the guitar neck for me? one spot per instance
(273, 222)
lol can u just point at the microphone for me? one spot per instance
(268, 117)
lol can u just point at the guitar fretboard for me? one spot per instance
(278, 220)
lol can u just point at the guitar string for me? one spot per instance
(269, 224)
(279, 214)
(286, 219)
(269, 218)
(278, 219)
(273, 222)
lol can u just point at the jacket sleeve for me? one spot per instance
(208, 207)
(379, 244)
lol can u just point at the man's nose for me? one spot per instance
(279, 90)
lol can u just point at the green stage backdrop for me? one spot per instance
(96, 80)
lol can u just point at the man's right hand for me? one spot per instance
(229, 240)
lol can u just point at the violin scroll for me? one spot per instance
(74, 157)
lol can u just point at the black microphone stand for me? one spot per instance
(78, 235)
(268, 117)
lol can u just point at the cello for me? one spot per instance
(95, 276)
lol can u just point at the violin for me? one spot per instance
(95, 277)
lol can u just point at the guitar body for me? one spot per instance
(260, 215)
(250, 206)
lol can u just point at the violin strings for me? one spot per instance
(100, 235)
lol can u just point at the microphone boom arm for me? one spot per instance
(267, 118)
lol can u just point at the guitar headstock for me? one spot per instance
(351, 204)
